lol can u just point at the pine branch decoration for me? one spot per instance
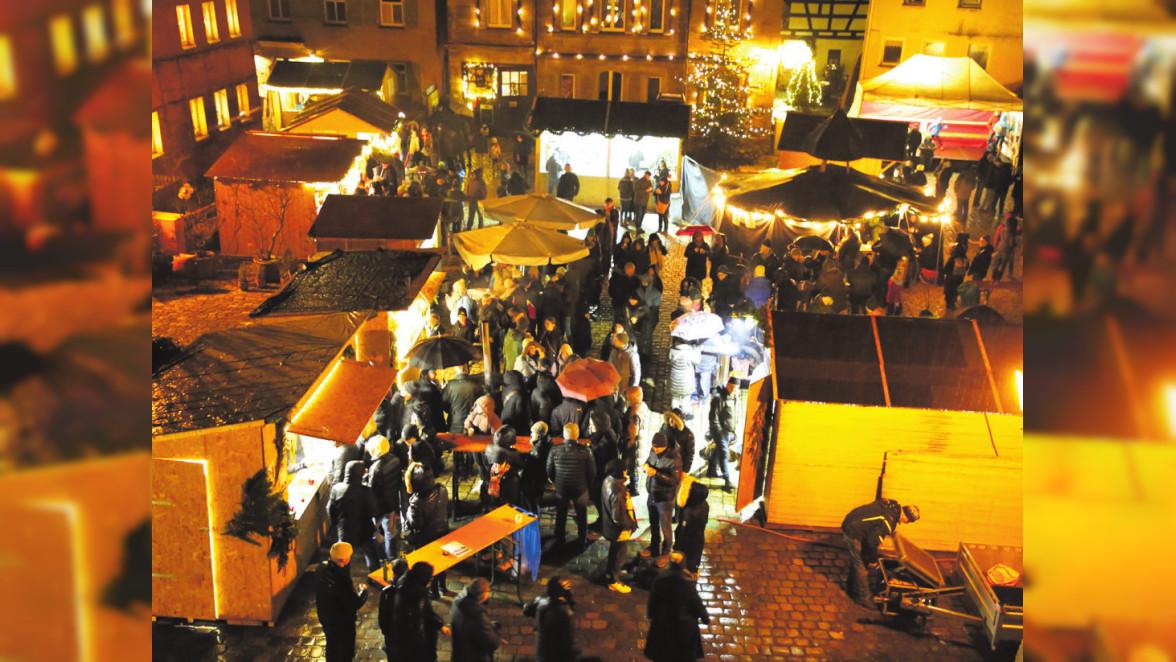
(266, 515)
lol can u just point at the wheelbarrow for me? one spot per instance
(911, 584)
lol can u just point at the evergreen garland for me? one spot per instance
(264, 514)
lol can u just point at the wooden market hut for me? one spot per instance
(273, 397)
(269, 187)
(368, 222)
(353, 113)
(922, 411)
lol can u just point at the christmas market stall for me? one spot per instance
(352, 113)
(601, 139)
(955, 91)
(292, 86)
(368, 222)
(922, 411)
(245, 423)
(269, 187)
(819, 200)
(810, 139)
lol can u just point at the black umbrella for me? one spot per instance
(835, 139)
(813, 242)
(896, 243)
(982, 314)
(440, 352)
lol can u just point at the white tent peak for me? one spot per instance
(942, 82)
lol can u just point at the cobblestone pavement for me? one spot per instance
(771, 595)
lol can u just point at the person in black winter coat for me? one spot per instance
(504, 463)
(663, 468)
(622, 283)
(386, 480)
(555, 631)
(690, 536)
(352, 508)
(603, 443)
(725, 293)
(427, 518)
(459, 396)
(414, 623)
(344, 455)
(429, 393)
(545, 398)
(570, 410)
(674, 611)
(533, 477)
(697, 252)
(386, 613)
(617, 521)
(680, 436)
(516, 403)
(474, 635)
(864, 528)
(721, 430)
(572, 470)
(982, 260)
(569, 184)
(337, 601)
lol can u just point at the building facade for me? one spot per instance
(988, 31)
(404, 34)
(833, 31)
(53, 55)
(204, 88)
(490, 59)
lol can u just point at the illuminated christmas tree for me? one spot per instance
(726, 130)
(804, 90)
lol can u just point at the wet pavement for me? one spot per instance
(770, 594)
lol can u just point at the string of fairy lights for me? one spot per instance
(720, 78)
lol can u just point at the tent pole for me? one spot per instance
(487, 362)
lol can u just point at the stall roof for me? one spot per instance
(832, 193)
(630, 118)
(376, 217)
(363, 74)
(881, 139)
(379, 280)
(928, 364)
(940, 82)
(344, 401)
(246, 374)
(284, 157)
(363, 106)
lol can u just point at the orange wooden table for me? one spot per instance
(464, 443)
(476, 536)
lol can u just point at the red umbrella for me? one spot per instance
(689, 230)
(588, 379)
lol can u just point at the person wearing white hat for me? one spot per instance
(337, 601)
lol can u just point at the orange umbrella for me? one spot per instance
(588, 379)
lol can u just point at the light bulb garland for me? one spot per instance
(516, 21)
(803, 87)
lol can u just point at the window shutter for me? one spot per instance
(410, 13)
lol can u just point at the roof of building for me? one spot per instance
(630, 118)
(376, 217)
(361, 105)
(379, 280)
(285, 157)
(247, 374)
(363, 74)
(925, 363)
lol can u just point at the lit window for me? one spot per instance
(233, 18)
(657, 16)
(187, 33)
(156, 136)
(498, 13)
(513, 84)
(124, 22)
(568, 14)
(221, 99)
(7, 68)
(335, 11)
(210, 29)
(612, 15)
(94, 23)
(242, 100)
(65, 52)
(199, 120)
(969, 4)
(279, 10)
(392, 12)
(892, 51)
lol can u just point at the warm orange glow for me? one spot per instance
(1170, 397)
(82, 589)
(1020, 390)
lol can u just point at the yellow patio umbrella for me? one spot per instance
(540, 209)
(518, 243)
